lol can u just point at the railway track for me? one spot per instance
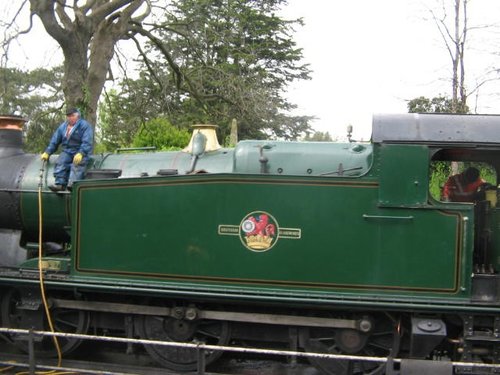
(114, 365)
(102, 358)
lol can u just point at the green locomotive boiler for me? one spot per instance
(328, 247)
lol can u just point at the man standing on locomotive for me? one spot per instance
(463, 187)
(76, 138)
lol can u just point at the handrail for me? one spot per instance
(191, 345)
(129, 149)
(365, 216)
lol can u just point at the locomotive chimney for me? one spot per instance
(208, 131)
(11, 135)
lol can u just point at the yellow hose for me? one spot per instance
(40, 272)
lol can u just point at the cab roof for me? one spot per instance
(436, 128)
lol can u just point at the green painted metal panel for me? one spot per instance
(304, 158)
(137, 164)
(56, 207)
(286, 158)
(404, 175)
(328, 235)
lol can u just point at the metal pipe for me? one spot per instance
(31, 191)
(478, 351)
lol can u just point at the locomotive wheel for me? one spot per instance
(170, 329)
(377, 343)
(64, 320)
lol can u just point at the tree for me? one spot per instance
(207, 47)
(37, 95)
(120, 117)
(438, 104)
(454, 37)
(318, 137)
(161, 134)
(236, 58)
(184, 39)
(87, 33)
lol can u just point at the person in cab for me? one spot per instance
(463, 187)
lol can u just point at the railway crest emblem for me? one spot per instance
(259, 231)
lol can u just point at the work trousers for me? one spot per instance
(65, 172)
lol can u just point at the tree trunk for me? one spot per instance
(95, 24)
(75, 73)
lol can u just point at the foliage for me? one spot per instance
(440, 171)
(120, 117)
(36, 95)
(207, 61)
(162, 135)
(318, 137)
(438, 104)
(233, 59)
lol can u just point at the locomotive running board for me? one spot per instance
(191, 313)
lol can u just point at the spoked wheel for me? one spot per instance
(64, 320)
(179, 330)
(377, 343)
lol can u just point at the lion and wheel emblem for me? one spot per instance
(259, 231)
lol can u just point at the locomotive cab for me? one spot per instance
(449, 161)
(451, 144)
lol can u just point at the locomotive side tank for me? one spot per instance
(341, 241)
(289, 231)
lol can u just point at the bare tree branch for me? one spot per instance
(454, 39)
(7, 40)
(141, 17)
(147, 62)
(444, 33)
(45, 10)
(88, 5)
(463, 93)
(158, 43)
(100, 12)
(66, 21)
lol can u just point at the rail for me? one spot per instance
(201, 348)
(131, 149)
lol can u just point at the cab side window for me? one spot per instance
(461, 181)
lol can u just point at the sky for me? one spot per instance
(373, 56)
(366, 57)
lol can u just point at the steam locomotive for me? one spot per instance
(325, 247)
